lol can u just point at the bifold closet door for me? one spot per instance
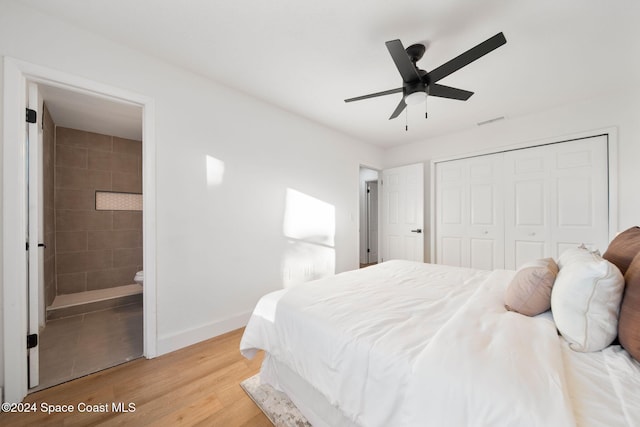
(504, 209)
(556, 197)
(469, 213)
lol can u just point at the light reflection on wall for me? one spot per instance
(309, 225)
(215, 171)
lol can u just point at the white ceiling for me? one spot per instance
(76, 110)
(307, 57)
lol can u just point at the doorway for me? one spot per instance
(17, 307)
(90, 305)
(368, 217)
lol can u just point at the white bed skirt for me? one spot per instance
(313, 405)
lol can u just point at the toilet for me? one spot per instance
(139, 278)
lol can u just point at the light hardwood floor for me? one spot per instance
(198, 385)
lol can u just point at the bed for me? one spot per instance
(410, 344)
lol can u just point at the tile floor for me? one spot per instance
(75, 346)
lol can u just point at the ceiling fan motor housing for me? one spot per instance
(418, 86)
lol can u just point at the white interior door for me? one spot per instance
(35, 221)
(403, 213)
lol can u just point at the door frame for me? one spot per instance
(14, 275)
(368, 218)
(362, 210)
(612, 163)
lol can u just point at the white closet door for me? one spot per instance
(486, 212)
(502, 210)
(556, 198)
(469, 213)
(527, 195)
(452, 246)
(580, 213)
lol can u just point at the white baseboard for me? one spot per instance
(176, 341)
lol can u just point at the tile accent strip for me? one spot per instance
(113, 201)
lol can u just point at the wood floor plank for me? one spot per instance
(198, 385)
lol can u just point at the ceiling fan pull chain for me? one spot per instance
(425, 106)
(406, 119)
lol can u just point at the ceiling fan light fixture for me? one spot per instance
(415, 98)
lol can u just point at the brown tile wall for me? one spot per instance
(95, 249)
(48, 149)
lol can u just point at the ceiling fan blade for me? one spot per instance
(373, 95)
(403, 63)
(448, 92)
(401, 106)
(466, 58)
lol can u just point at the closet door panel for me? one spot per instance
(486, 212)
(575, 201)
(452, 213)
(452, 199)
(482, 201)
(483, 253)
(450, 253)
(469, 212)
(526, 205)
(580, 174)
(527, 250)
(529, 202)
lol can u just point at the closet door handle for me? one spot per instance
(417, 230)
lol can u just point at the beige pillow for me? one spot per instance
(529, 292)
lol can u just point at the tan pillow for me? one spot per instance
(529, 292)
(629, 321)
(623, 248)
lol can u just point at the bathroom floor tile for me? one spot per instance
(79, 345)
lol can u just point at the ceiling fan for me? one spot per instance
(417, 83)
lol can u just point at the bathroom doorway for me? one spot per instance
(89, 207)
(368, 216)
(21, 315)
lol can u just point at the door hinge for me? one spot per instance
(27, 245)
(32, 341)
(32, 116)
(368, 250)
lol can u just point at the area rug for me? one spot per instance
(276, 405)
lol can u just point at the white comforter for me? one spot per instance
(412, 344)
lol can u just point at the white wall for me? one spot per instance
(219, 247)
(621, 111)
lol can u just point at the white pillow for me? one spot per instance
(585, 299)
